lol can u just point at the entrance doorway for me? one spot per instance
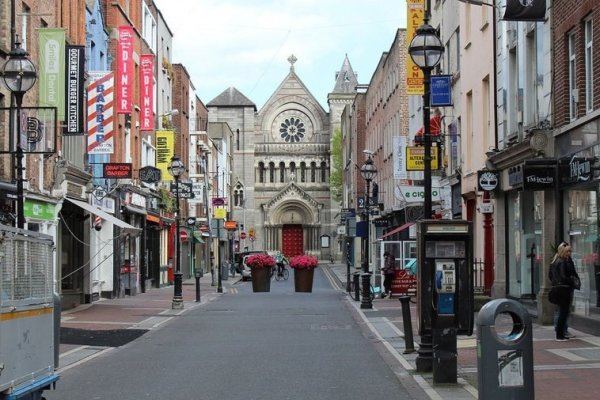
(292, 241)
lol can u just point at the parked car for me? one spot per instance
(244, 269)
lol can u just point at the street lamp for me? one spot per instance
(19, 75)
(176, 169)
(368, 172)
(426, 51)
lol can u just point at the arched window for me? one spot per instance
(323, 172)
(281, 172)
(261, 172)
(313, 171)
(271, 172)
(238, 195)
(302, 171)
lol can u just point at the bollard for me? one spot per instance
(356, 280)
(409, 344)
(197, 276)
(504, 361)
(366, 301)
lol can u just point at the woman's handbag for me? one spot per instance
(576, 282)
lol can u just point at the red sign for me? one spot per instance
(125, 69)
(403, 282)
(116, 171)
(183, 235)
(146, 92)
(243, 235)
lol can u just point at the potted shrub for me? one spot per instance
(261, 266)
(304, 269)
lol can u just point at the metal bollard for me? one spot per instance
(504, 361)
(197, 276)
(409, 344)
(366, 302)
(356, 280)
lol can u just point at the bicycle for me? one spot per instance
(352, 292)
(282, 273)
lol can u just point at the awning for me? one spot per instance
(127, 229)
(398, 229)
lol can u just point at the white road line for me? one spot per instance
(83, 360)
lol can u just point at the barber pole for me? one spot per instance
(97, 223)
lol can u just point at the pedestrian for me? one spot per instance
(389, 268)
(564, 280)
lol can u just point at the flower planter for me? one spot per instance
(303, 279)
(261, 279)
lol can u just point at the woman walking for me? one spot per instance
(564, 280)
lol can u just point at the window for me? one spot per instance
(292, 171)
(271, 172)
(323, 172)
(281, 172)
(302, 172)
(261, 172)
(238, 195)
(313, 171)
(573, 95)
(589, 66)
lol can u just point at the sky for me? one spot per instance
(246, 43)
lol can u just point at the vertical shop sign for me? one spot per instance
(100, 112)
(52, 69)
(125, 69)
(165, 150)
(414, 74)
(147, 92)
(74, 90)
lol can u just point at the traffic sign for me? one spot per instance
(243, 235)
(183, 235)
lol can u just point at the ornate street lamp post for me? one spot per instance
(426, 50)
(176, 169)
(19, 75)
(368, 172)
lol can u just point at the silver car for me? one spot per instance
(246, 272)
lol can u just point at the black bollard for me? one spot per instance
(197, 275)
(409, 345)
(366, 302)
(356, 279)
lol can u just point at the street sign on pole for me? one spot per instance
(183, 235)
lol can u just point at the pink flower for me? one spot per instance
(260, 261)
(304, 262)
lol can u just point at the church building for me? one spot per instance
(281, 164)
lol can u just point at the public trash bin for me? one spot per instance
(129, 280)
(504, 351)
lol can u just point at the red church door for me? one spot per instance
(292, 241)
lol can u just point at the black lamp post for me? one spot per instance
(176, 169)
(426, 50)
(19, 76)
(368, 172)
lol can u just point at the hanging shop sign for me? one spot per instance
(487, 181)
(116, 171)
(415, 158)
(539, 177)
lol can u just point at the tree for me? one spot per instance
(336, 165)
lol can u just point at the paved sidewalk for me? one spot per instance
(562, 370)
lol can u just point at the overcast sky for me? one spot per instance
(245, 43)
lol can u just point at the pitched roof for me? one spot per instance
(345, 80)
(231, 98)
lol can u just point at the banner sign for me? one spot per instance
(165, 150)
(525, 10)
(399, 144)
(441, 90)
(415, 158)
(52, 69)
(184, 189)
(74, 90)
(147, 92)
(38, 130)
(125, 69)
(116, 171)
(100, 112)
(414, 74)
(150, 174)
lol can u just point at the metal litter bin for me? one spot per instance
(225, 271)
(504, 352)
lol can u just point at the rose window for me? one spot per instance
(292, 130)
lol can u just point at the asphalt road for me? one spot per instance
(276, 345)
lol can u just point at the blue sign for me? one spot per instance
(441, 90)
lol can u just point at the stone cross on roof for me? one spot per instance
(292, 59)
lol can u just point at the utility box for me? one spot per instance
(505, 351)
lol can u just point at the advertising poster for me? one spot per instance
(74, 90)
(51, 78)
(165, 150)
(100, 112)
(125, 69)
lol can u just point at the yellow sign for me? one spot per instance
(165, 149)
(219, 213)
(414, 74)
(415, 158)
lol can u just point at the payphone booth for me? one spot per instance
(445, 289)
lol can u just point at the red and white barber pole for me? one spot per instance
(97, 223)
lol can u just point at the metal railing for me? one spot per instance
(478, 275)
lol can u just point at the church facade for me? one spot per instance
(281, 160)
